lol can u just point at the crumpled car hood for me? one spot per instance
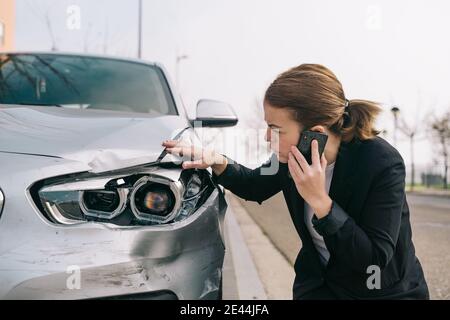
(104, 141)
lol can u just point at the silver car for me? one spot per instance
(90, 204)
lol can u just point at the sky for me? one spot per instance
(392, 52)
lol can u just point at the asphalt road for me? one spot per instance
(430, 219)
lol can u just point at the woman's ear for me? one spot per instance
(318, 128)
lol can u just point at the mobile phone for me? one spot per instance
(304, 143)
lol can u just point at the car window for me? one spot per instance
(87, 83)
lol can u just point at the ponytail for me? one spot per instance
(359, 120)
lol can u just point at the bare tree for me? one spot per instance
(255, 122)
(105, 37)
(413, 132)
(43, 13)
(95, 38)
(86, 38)
(441, 129)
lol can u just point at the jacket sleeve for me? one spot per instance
(255, 185)
(372, 241)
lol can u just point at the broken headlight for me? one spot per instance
(155, 199)
(103, 203)
(138, 199)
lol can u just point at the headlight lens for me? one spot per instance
(105, 204)
(155, 200)
(138, 199)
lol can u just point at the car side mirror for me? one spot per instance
(213, 113)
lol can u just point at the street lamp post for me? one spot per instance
(413, 171)
(410, 133)
(395, 111)
(179, 58)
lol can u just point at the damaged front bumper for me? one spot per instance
(40, 259)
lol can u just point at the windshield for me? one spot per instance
(84, 83)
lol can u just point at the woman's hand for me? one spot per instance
(199, 158)
(310, 179)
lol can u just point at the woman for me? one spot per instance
(349, 206)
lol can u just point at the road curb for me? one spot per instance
(249, 285)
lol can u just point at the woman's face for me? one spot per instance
(282, 131)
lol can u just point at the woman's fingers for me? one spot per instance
(323, 161)
(294, 168)
(300, 159)
(192, 156)
(181, 151)
(189, 153)
(196, 164)
(169, 143)
(315, 157)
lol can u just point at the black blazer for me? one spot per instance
(368, 225)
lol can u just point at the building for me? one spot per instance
(7, 24)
